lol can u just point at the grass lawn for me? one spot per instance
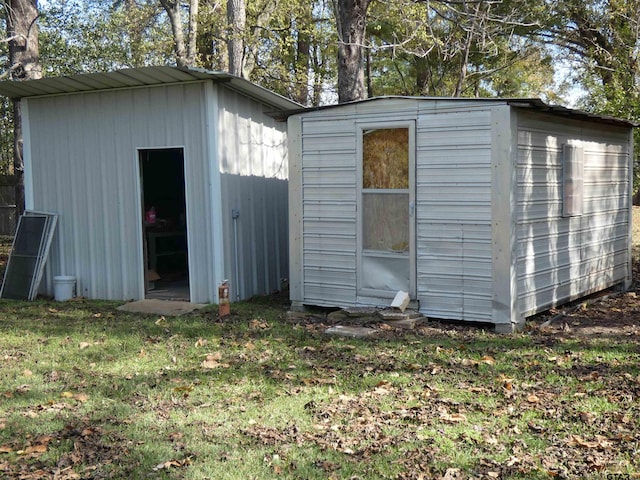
(89, 392)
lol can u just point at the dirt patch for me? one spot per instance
(612, 315)
(616, 318)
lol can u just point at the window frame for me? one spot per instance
(364, 293)
(572, 180)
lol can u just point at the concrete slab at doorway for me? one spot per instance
(161, 307)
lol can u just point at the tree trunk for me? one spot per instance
(367, 66)
(173, 12)
(303, 55)
(468, 44)
(423, 75)
(185, 50)
(317, 62)
(22, 30)
(192, 43)
(237, 19)
(351, 19)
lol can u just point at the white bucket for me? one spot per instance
(63, 287)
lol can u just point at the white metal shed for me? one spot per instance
(158, 168)
(484, 210)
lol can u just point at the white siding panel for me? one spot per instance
(85, 167)
(321, 226)
(441, 174)
(320, 258)
(453, 214)
(341, 142)
(316, 193)
(333, 276)
(329, 176)
(324, 294)
(331, 242)
(260, 234)
(198, 153)
(323, 129)
(253, 163)
(251, 142)
(296, 228)
(329, 210)
(564, 258)
(322, 160)
(557, 291)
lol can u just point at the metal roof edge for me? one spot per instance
(559, 110)
(140, 77)
(532, 103)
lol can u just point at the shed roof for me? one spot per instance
(140, 77)
(523, 103)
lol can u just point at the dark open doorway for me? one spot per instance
(164, 222)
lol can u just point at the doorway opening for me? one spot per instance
(164, 224)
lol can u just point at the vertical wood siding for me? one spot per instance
(253, 163)
(84, 165)
(561, 258)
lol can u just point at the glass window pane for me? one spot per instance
(385, 158)
(572, 181)
(385, 222)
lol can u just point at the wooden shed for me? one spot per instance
(161, 172)
(483, 210)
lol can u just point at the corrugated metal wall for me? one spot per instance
(454, 212)
(465, 212)
(563, 258)
(84, 165)
(329, 158)
(453, 204)
(329, 220)
(253, 162)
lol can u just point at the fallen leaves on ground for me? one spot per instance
(530, 406)
(388, 416)
(213, 361)
(258, 324)
(92, 450)
(169, 464)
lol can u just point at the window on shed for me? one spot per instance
(572, 180)
(385, 189)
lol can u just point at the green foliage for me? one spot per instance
(415, 47)
(509, 48)
(212, 47)
(296, 54)
(603, 40)
(82, 36)
(457, 49)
